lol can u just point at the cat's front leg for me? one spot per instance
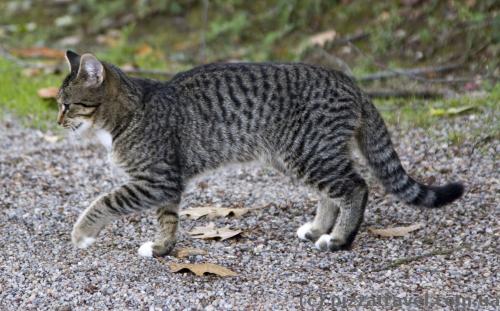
(90, 223)
(168, 220)
(133, 197)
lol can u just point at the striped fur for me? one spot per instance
(299, 118)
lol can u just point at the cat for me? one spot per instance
(301, 119)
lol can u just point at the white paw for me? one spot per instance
(84, 242)
(146, 249)
(323, 242)
(303, 230)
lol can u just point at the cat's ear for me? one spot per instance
(91, 71)
(73, 60)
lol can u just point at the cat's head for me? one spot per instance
(84, 93)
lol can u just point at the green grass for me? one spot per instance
(18, 94)
(422, 113)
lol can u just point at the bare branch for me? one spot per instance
(406, 260)
(349, 39)
(412, 73)
(426, 94)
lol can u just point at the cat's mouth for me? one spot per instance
(73, 127)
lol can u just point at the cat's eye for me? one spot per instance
(87, 105)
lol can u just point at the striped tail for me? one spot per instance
(376, 145)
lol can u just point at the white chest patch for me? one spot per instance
(105, 138)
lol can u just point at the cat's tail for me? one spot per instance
(376, 145)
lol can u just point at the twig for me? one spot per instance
(349, 39)
(406, 260)
(405, 94)
(322, 57)
(412, 73)
(478, 143)
(392, 73)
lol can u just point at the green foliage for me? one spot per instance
(18, 93)
(167, 34)
(230, 29)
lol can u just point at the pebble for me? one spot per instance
(44, 186)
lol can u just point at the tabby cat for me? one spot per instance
(301, 119)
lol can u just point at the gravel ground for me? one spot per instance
(44, 185)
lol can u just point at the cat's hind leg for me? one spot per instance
(168, 220)
(326, 214)
(350, 217)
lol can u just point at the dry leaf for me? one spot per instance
(51, 138)
(39, 52)
(48, 92)
(144, 50)
(201, 268)
(31, 72)
(212, 212)
(189, 251)
(211, 232)
(396, 231)
(322, 37)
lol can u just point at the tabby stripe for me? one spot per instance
(322, 168)
(118, 201)
(126, 200)
(318, 173)
(109, 205)
(404, 187)
(277, 80)
(147, 179)
(337, 121)
(131, 192)
(85, 115)
(241, 85)
(420, 197)
(380, 159)
(337, 109)
(144, 192)
(208, 101)
(381, 145)
(164, 187)
(233, 96)
(117, 131)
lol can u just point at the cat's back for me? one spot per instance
(256, 72)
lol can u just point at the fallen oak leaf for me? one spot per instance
(212, 212)
(396, 231)
(48, 92)
(201, 269)
(189, 251)
(211, 232)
